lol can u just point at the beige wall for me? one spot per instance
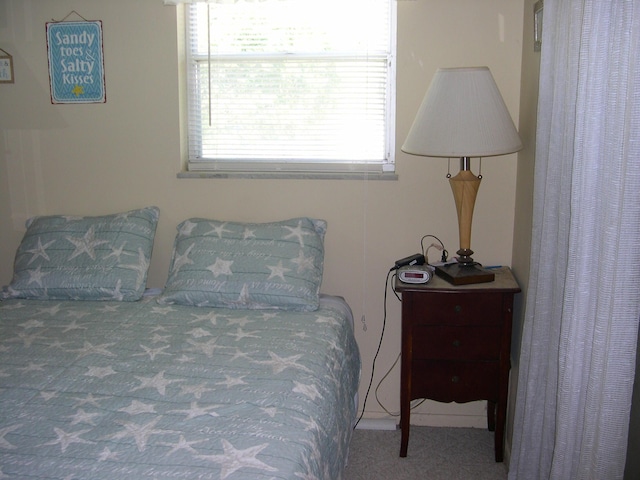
(96, 159)
(524, 195)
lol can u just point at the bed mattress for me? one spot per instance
(92, 390)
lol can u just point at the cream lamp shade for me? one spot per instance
(463, 115)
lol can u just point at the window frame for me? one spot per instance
(285, 168)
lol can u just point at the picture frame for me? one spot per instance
(537, 25)
(76, 61)
(6, 67)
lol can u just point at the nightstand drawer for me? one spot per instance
(454, 381)
(455, 309)
(456, 343)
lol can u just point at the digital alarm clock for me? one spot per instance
(416, 274)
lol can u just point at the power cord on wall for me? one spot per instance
(411, 260)
(375, 357)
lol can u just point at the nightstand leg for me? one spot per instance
(491, 416)
(501, 412)
(405, 410)
(404, 426)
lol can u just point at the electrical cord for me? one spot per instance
(384, 324)
(375, 357)
(445, 254)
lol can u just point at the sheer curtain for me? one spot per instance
(581, 322)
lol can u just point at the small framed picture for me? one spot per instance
(6, 67)
(537, 25)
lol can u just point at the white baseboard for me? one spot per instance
(377, 424)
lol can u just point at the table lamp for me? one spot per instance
(463, 115)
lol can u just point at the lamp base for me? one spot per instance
(458, 274)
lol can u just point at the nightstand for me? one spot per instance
(456, 346)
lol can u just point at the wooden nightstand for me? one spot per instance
(456, 346)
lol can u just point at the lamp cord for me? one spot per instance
(375, 357)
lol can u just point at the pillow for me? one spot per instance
(247, 265)
(84, 258)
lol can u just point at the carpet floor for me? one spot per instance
(433, 454)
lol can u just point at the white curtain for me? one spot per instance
(583, 305)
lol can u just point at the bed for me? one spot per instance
(238, 368)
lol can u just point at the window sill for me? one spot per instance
(293, 175)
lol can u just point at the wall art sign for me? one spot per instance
(6, 67)
(76, 63)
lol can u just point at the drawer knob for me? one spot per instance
(458, 308)
(456, 343)
(455, 379)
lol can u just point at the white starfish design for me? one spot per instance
(242, 321)
(181, 260)
(51, 310)
(280, 364)
(67, 438)
(137, 407)
(296, 232)
(330, 320)
(186, 228)
(307, 390)
(153, 352)
(40, 251)
(162, 311)
(15, 306)
(199, 333)
(48, 395)
(310, 424)
(109, 308)
(73, 326)
(90, 349)
(240, 334)
(117, 252)
(140, 267)
(182, 444)
(85, 244)
(31, 324)
(218, 229)
(196, 411)
(271, 411)
(4, 443)
(83, 417)
(157, 338)
(232, 381)
(248, 233)
(36, 276)
(239, 354)
(77, 313)
(207, 348)
(157, 381)
(89, 399)
(234, 459)
(116, 293)
(195, 390)
(211, 316)
(278, 271)
(303, 262)
(221, 267)
(140, 433)
(107, 454)
(100, 372)
(33, 367)
(28, 339)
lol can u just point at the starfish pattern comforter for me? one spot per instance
(136, 390)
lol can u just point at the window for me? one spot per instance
(291, 85)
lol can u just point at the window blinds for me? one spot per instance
(290, 84)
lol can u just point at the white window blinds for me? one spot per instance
(293, 85)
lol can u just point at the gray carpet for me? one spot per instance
(433, 454)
